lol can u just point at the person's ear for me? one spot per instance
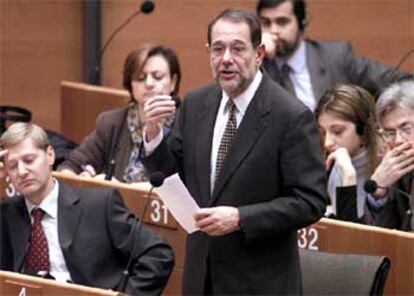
(50, 155)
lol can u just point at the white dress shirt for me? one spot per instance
(49, 205)
(300, 77)
(242, 102)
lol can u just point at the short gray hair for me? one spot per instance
(21, 131)
(399, 94)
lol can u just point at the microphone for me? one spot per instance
(110, 166)
(156, 179)
(394, 70)
(370, 186)
(146, 8)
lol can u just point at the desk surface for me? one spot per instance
(12, 283)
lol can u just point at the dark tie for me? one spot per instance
(285, 80)
(37, 256)
(228, 136)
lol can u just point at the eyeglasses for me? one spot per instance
(406, 131)
(220, 50)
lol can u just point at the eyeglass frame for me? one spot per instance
(406, 130)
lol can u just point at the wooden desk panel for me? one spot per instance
(82, 103)
(326, 235)
(12, 283)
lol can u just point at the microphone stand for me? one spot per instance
(146, 7)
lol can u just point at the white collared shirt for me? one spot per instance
(242, 102)
(49, 205)
(300, 77)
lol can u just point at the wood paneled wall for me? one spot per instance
(40, 45)
(41, 40)
(380, 29)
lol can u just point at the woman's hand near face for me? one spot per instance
(156, 111)
(341, 158)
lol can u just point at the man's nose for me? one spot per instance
(227, 56)
(274, 28)
(21, 169)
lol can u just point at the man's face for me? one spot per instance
(233, 59)
(281, 23)
(29, 169)
(398, 126)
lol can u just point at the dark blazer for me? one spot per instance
(96, 147)
(394, 214)
(96, 234)
(334, 62)
(273, 174)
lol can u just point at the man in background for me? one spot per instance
(248, 152)
(80, 235)
(306, 67)
(395, 174)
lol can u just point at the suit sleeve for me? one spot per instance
(303, 198)
(6, 254)
(153, 259)
(168, 156)
(346, 204)
(92, 150)
(368, 73)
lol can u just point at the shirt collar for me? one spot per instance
(243, 100)
(297, 61)
(49, 203)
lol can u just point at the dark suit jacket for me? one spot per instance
(273, 174)
(96, 147)
(394, 214)
(334, 62)
(96, 234)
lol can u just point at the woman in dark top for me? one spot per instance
(349, 136)
(115, 146)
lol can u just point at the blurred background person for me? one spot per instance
(395, 174)
(149, 71)
(307, 67)
(348, 131)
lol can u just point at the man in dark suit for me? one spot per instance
(395, 174)
(85, 236)
(249, 155)
(313, 66)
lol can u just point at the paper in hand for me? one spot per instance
(179, 202)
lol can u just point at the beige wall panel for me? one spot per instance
(380, 29)
(40, 45)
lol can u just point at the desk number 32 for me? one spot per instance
(308, 238)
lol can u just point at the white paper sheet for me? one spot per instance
(179, 202)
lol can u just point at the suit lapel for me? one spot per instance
(317, 70)
(20, 226)
(205, 132)
(69, 213)
(250, 129)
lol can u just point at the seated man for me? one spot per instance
(307, 67)
(79, 235)
(395, 174)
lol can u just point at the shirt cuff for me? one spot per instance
(149, 147)
(376, 203)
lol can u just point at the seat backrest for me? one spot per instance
(343, 274)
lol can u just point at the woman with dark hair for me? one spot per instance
(115, 146)
(349, 136)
